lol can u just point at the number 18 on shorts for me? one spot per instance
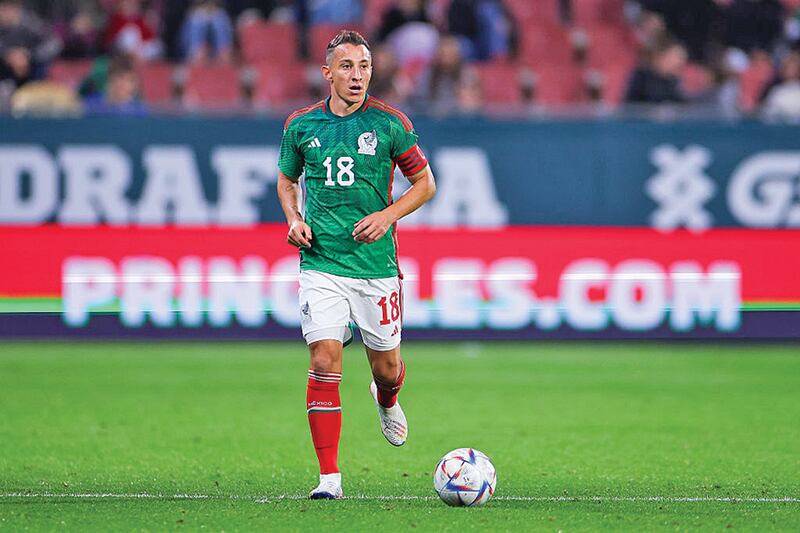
(328, 303)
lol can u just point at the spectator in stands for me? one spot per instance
(45, 98)
(725, 94)
(753, 24)
(407, 29)
(332, 11)
(658, 80)
(650, 30)
(694, 22)
(402, 12)
(565, 12)
(80, 36)
(486, 28)
(26, 44)
(95, 82)
(793, 29)
(128, 31)
(388, 82)
(173, 17)
(58, 11)
(207, 33)
(337, 12)
(121, 95)
(242, 11)
(15, 68)
(783, 98)
(449, 85)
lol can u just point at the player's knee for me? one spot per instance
(326, 356)
(386, 369)
(324, 363)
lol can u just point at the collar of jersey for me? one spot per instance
(351, 116)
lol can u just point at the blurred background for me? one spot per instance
(606, 168)
(724, 58)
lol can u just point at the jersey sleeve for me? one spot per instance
(406, 153)
(290, 160)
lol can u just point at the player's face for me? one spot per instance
(349, 72)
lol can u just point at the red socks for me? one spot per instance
(387, 392)
(325, 412)
(325, 417)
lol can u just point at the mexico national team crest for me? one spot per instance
(367, 142)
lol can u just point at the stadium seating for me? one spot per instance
(281, 86)
(753, 81)
(499, 82)
(593, 13)
(157, 81)
(610, 46)
(545, 44)
(598, 49)
(615, 83)
(539, 12)
(69, 73)
(559, 84)
(212, 86)
(696, 79)
(272, 41)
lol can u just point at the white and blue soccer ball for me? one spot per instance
(465, 477)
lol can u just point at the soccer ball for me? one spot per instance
(465, 477)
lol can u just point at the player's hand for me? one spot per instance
(372, 227)
(299, 234)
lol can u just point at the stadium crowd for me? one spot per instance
(729, 57)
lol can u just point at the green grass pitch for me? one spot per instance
(641, 437)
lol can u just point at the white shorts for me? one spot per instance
(328, 303)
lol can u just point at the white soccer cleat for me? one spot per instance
(329, 488)
(393, 420)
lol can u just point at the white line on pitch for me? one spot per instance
(120, 496)
(667, 499)
(294, 497)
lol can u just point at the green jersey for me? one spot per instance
(349, 164)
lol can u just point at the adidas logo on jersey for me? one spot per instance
(395, 332)
(315, 143)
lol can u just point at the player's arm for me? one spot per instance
(374, 226)
(299, 232)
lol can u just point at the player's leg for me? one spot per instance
(377, 308)
(325, 318)
(324, 410)
(388, 374)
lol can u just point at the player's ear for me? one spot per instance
(326, 72)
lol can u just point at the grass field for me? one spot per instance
(158, 436)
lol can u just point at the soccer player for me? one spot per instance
(349, 145)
